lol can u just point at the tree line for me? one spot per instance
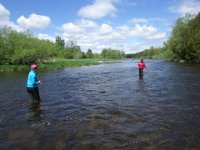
(183, 44)
(24, 48)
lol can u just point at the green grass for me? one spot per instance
(56, 63)
(9, 68)
(61, 63)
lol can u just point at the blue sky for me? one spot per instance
(128, 25)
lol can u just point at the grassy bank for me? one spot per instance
(56, 63)
(161, 55)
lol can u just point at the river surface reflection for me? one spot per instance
(104, 107)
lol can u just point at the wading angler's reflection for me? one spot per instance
(35, 112)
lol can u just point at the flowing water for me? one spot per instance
(103, 107)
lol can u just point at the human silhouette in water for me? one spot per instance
(141, 66)
(32, 84)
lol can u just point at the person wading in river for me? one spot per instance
(141, 66)
(32, 84)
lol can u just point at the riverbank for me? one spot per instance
(56, 63)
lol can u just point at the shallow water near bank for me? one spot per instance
(103, 107)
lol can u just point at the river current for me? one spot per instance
(103, 107)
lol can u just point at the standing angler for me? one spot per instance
(141, 66)
(32, 84)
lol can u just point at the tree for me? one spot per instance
(71, 44)
(179, 39)
(60, 42)
(72, 50)
(112, 54)
(89, 54)
(193, 53)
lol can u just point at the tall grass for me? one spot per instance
(56, 63)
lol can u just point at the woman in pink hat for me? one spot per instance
(32, 84)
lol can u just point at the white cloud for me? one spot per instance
(87, 23)
(72, 28)
(137, 47)
(157, 36)
(99, 9)
(4, 16)
(46, 37)
(105, 29)
(142, 30)
(123, 30)
(4, 13)
(145, 21)
(5, 19)
(34, 21)
(138, 31)
(90, 35)
(138, 20)
(186, 6)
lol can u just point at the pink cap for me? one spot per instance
(33, 66)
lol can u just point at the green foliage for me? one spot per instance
(79, 55)
(179, 40)
(2, 50)
(148, 53)
(184, 43)
(73, 52)
(54, 63)
(193, 53)
(155, 53)
(89, 54)
(112, 54)
(185, 39)
(22, 48)
(6, 45)
(60, 43)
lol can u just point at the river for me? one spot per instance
(104, 107)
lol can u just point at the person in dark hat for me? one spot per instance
(141, 66)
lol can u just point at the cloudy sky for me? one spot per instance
(128, 25)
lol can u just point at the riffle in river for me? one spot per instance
(103, 107)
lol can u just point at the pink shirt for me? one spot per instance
(141, 65)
